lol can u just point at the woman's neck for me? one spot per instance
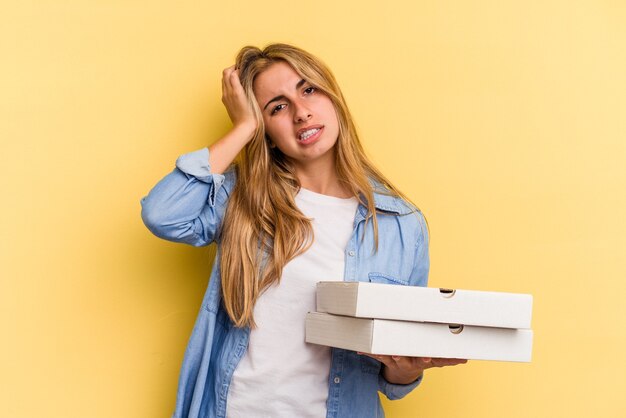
(321, 178)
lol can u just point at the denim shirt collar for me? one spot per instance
(384, 202)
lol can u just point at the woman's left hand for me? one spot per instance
(402, 370)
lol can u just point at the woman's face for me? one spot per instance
(299, 119)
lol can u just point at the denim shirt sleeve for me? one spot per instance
(419, 277)
(393, 391)
(188, 204)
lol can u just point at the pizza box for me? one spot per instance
(425, 304)
(418, 339)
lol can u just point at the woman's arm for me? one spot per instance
(188, 204)
(401, 374)
(224, 151)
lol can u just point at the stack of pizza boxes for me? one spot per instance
(413, 321)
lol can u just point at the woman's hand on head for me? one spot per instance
(403, 370)
(235, 100)
(224, 151)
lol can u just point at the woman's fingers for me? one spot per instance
(424, 362)
(378, 357)
(235, 100)
(408, 363)
(230, 79)
(404, 362)
(227, 71)
(442, 362)
(226, 79)
(231, 84)
(235, 82)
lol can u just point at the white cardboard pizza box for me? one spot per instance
(425, 304)
(418, 339)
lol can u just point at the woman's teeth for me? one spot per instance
(307, 134)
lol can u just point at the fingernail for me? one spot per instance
(395, 357)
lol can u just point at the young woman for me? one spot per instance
(302, 204)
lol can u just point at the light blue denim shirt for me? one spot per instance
(188, 206)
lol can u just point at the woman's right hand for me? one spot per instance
(235, 100)
(223, 152)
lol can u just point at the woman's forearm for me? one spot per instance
(223, 152)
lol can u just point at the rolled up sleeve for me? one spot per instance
(393, 391)
(188, 204)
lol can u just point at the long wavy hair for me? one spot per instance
(263, 229)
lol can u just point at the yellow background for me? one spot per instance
(504, 121)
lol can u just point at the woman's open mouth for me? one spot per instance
(310, 135)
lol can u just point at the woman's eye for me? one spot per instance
(309, 90)
(277, 108)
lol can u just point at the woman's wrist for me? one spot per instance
(223, 152)
(246, 129)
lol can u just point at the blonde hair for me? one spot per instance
(263, 228)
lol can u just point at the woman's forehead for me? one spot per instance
(278, 78)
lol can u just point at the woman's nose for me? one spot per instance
(302, 113)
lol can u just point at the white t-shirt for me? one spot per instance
(280, 375)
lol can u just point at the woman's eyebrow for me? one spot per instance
(281, 97)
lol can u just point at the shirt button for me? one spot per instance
(351, 253)
(337, 380)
